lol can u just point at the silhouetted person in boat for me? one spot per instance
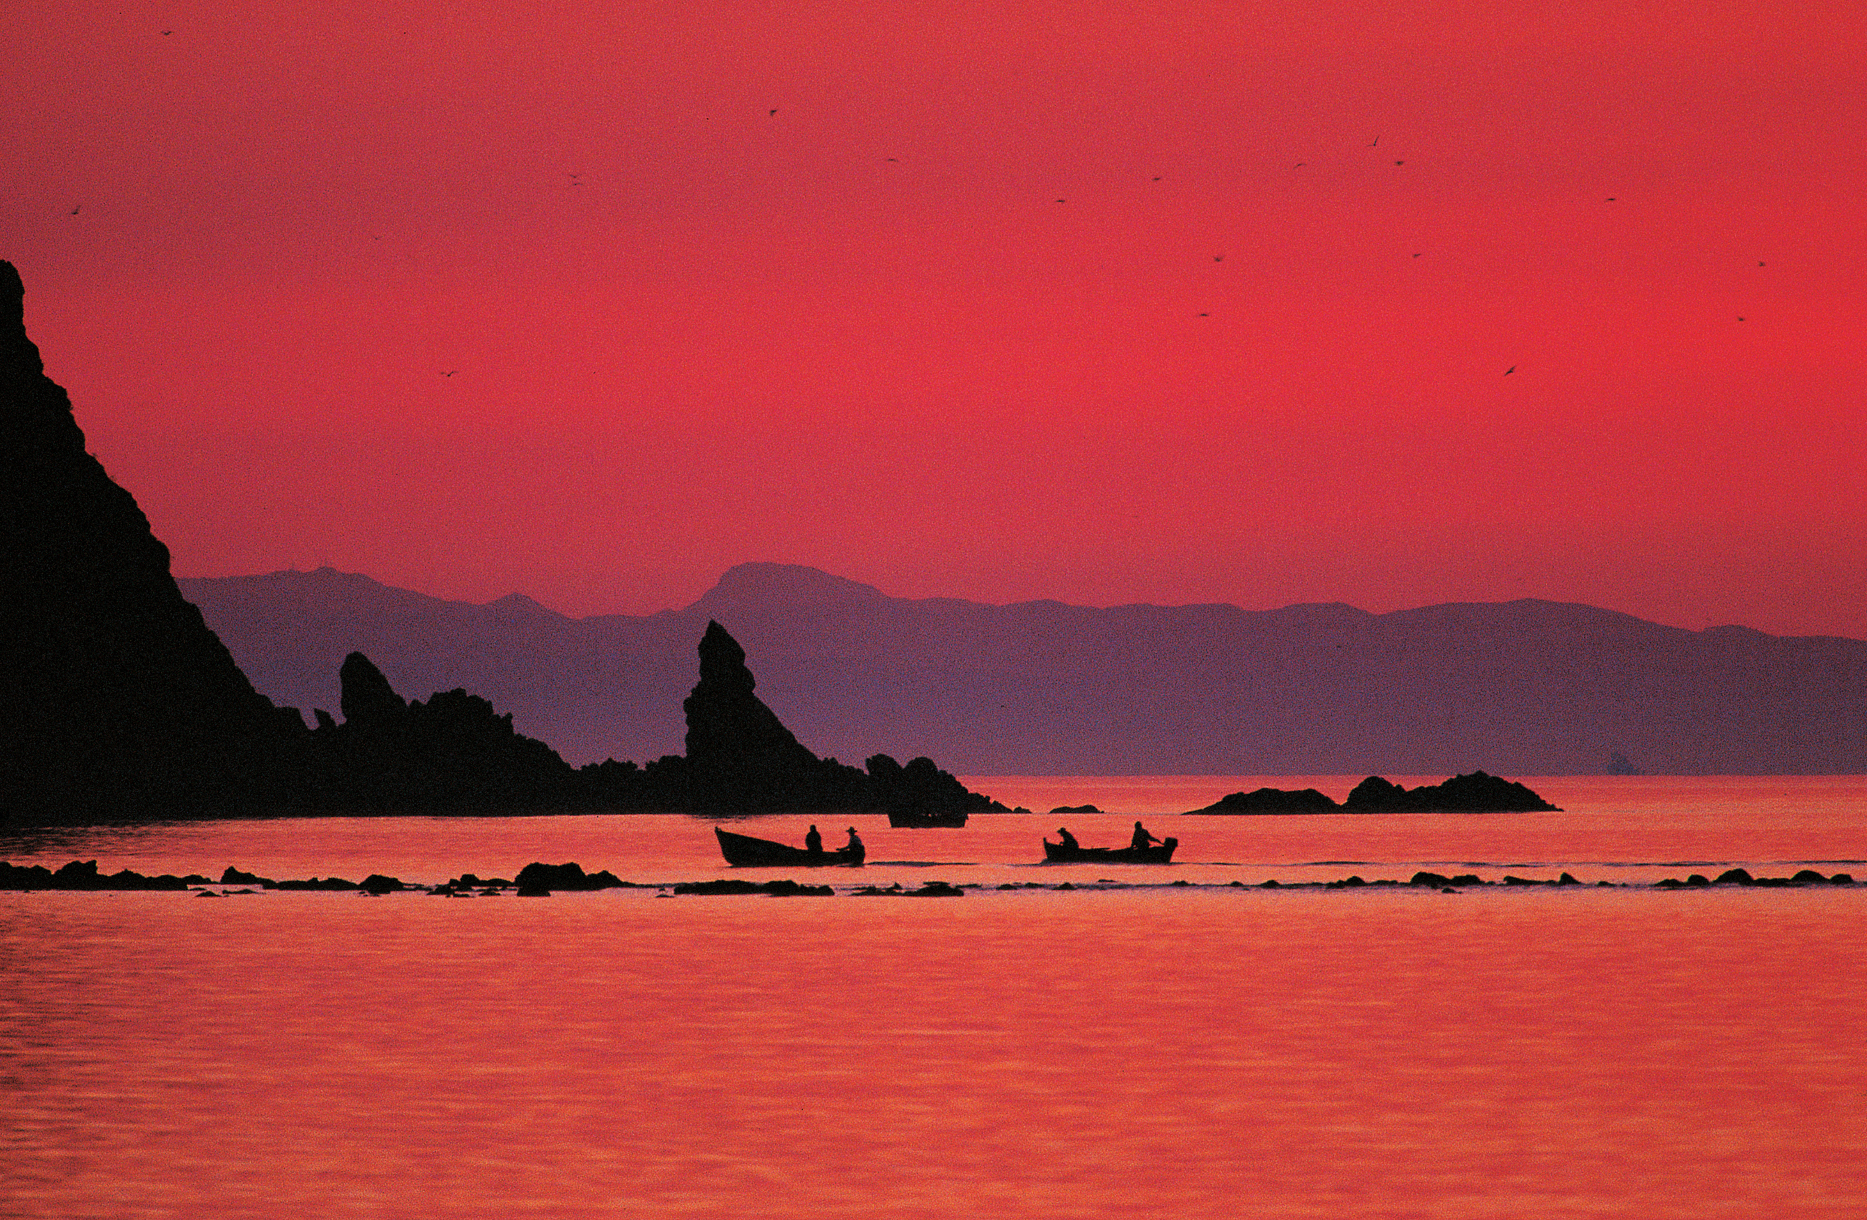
(854, 844)
(1142, 839)
(813, 842)
(1069, 840)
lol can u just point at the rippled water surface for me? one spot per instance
(1144, 1050)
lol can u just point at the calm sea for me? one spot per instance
(1136, 1049)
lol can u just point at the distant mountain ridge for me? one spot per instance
(1525, 687)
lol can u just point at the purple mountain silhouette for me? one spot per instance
(1524, 688)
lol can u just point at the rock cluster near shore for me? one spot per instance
(541, 880)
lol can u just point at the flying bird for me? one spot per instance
(774, 111)
(1373, 142)
(1510, 370)
(1418, 255)
(1218, 258)
(450, 372)
(1400, 163)
(74, 211)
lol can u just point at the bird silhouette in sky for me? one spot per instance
(166, 33)
(1373, 142)
(774, 111)
(74, 211)
(450, 372)
(1510, 370)
(1218, 258)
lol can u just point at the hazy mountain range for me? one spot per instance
(1525, 687)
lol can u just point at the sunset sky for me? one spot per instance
(1389, 303)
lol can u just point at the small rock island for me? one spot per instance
(1473, 793)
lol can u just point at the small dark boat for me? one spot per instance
(906, 818)
(1063, 853)
(748, 852)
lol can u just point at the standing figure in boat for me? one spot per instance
(1069, 840)
(813, 842)
(1142, 839)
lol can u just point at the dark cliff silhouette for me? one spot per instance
(1042, 688)
(115, 698)
(117, 703)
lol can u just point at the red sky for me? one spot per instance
(863, 333)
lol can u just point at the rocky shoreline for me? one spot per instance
(539, 880)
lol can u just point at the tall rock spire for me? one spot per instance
(115, 698)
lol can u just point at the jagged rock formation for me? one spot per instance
(1473, 793)
(740, 756)
(451, 753)
(116, 701)
(742, 759)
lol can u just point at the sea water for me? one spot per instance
(1130, 1047)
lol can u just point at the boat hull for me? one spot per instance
(744, 851)
(1161, 853)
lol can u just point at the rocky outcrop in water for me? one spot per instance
(742, 759)
(1273, 800)
(116, 701)
(1473, 793)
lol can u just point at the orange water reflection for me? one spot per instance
(1141, 1052)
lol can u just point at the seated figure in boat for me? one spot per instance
(813, 842)
(854, 844)
(1069, 840)
(1142, 839)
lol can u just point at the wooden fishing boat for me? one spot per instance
(1062, 853)
(747, 852)
(905, 818)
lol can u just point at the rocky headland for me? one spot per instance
(117, 703)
